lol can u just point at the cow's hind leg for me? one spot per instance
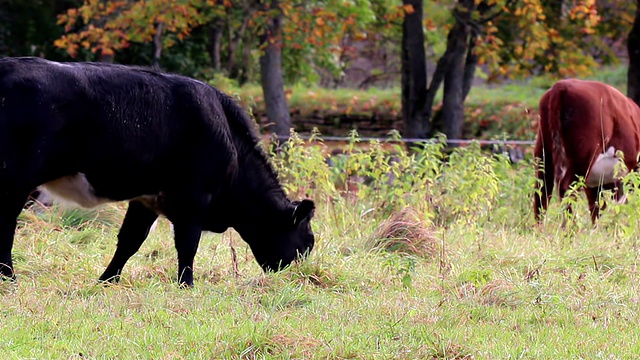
(545, 178)
(593, 197)
(134, 230)
(563, 187)
(10, 206)
(618, 192)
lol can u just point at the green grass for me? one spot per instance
(518, 93)
(498, 286)
(308, 101)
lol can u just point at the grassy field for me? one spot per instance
(443, 262)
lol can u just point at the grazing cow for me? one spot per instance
(92, 133)
(583, 126)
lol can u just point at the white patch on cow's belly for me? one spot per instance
(603, 169)
(75, 189)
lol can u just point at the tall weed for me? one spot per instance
(379, 178)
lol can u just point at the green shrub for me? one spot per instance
(378, 179)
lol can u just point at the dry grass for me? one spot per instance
(405, 232)
(498, 293)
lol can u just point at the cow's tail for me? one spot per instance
(549, 152)
(556, 114)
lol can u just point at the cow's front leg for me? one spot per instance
(134, 230)
(187, 238)
(7, 233)
(10, 207)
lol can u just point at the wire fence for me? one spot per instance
(417, 140)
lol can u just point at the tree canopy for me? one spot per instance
(333, 43)
(321, 38)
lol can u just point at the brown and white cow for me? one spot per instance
(584, 127)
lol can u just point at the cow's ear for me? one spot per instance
(303, 210)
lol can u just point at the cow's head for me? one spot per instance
(286, 239)
(276, 240)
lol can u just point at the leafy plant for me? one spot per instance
(403, 267)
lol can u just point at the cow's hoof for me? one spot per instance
(8, 278)
(7, 274)
(108, 281)
(186, 285)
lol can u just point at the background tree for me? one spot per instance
(461, 59)
(240, 19)
(539, 37)
(414, 71)
(457, 43)
(321, 41)
(104, 27)
(509, 39)
(215, 36)
(313, 31)
(457, 66)
(28, 27)
(271, 68)
(319, 36)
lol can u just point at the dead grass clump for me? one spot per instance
(302, 345)
(498, 293)
(405, 232)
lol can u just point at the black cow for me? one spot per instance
(93, 133)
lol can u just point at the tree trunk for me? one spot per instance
(271, 73)
(157, 45)
(245, 69)
(633, 48)
(434, 86)
(453, 96)
(234, 42)
(442, 69)
(414, 73)
(470, 65)
(215, 42)
(215, 39)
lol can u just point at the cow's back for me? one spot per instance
(589, 117)
(128, 130)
